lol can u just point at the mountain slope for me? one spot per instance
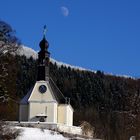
(29, 52)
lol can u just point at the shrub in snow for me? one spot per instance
(8, 133)
(87, 129)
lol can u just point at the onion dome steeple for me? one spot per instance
(43, 59)
(44, 43)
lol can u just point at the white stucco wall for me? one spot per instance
(69, 115)
(42, 103)
(61, 114)
(65, 114)
(36, 108)
(23, 113)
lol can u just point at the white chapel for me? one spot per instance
(44, 102)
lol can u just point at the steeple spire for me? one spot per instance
(44, 31)
(43, 58)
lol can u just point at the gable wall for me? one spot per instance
(37, 96)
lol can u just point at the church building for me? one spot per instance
(45, 102)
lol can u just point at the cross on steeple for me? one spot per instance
(44, 31)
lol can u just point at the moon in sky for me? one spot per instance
(64, 11)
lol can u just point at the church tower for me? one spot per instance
(43, 59)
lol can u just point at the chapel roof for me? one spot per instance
(24, 100)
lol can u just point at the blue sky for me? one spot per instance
(94, 34)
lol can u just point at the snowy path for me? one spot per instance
(38, 134)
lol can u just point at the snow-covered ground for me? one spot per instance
(28, 133)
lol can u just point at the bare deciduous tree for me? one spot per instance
(8, 41)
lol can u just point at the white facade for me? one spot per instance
(65, 114)
(42, 103)
(47, 105)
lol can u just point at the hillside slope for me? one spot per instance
(29, 52)
(111, 104)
